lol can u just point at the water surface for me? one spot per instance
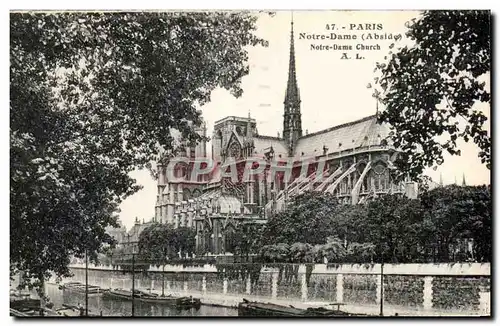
(117, 307)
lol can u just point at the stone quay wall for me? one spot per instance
(459, 287)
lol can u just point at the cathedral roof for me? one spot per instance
(262, 143)
(361, 133)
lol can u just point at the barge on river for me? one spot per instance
(80, 288)
(180, 302)
(260, 309)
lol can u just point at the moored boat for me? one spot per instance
(19, 295)
(119, 293)
(260, 309)
(73, 311)
(181, 302)
(69, 285)
(78, 287)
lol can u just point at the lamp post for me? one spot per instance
(163, 274)
(133, 282)
(382, 287)
(381, 267)
(86, 283)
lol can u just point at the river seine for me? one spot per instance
(119, 308)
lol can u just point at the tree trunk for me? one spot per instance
(444, 252)
(41, 294)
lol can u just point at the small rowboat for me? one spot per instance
(180, 302)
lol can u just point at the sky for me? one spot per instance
(333, 90)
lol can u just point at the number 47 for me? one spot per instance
(330, 27)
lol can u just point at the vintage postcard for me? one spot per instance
(330, 164)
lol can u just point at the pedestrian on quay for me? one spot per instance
(82, 311)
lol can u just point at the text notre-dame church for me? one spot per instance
(355, 159)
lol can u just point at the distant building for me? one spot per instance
(119, 233)
(130, 242)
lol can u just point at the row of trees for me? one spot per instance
(159, 242)
(391, 228)
(435, 227)
(334, 250)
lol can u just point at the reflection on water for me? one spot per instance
(117, 307)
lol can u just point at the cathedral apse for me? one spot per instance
(351, 161)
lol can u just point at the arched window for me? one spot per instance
(187, 194)
(235, 150)
(367, 183)
(381, 176)
(196, 193)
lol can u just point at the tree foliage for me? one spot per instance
(247, 239)
(456, 212)
(306, 220)
(436, 227)
(300, 252)
(430, 89)
(275, 253)
(392, 222)
(93, 96)
(333, 250)
(159, 242)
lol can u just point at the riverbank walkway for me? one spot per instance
(232, 300)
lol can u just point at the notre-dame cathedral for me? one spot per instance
(354, 158)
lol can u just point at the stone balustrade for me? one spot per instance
(426, 287)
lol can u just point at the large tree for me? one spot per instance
(307, 219)
(93, 96)
(159, 242)
(392, 223)
(430, 89)
(455, 213)
(247, 239)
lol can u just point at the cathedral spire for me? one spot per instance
(463, 180)
(292, 90)
(292, 124)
